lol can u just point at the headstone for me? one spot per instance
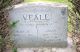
(39, 25)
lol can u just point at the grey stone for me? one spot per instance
(39, 25)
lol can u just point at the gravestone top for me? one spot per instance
(39, 25)
(41, 3)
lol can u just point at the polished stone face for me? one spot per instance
(39, 25)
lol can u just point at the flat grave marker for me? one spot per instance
(39, 25)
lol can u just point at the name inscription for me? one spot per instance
(35, 17)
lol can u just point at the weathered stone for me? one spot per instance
(39, 25)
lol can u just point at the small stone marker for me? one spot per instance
(39, 25)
